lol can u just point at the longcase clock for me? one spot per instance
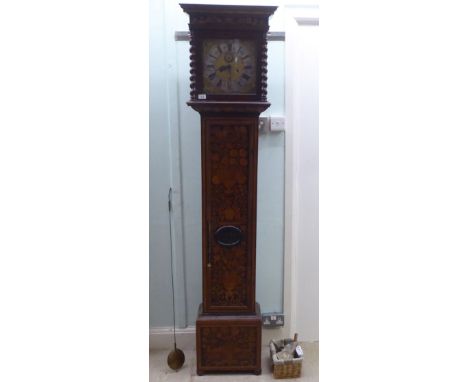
(228, 66)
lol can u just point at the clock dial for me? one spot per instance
(229, 66)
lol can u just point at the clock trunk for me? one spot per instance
(229, 157)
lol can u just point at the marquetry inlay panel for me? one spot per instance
(226, 346)
(229, 178)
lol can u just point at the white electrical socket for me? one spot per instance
(277, 123)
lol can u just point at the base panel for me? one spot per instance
(229, 343)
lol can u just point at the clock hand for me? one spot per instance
(224, 67)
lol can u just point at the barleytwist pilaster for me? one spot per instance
(263, 69)
(193, 69)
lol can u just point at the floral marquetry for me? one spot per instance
(229, 188)
(228, 346)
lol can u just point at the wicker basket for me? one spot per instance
(281, 368)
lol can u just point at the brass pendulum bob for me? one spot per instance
(176, 357)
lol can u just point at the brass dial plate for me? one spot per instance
(229, 66)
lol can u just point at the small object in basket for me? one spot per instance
(284, 356)
(299, 351)
(287, 353)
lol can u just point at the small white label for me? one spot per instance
(202, 96)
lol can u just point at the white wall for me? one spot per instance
(159, 176)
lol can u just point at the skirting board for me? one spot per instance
(163, 338)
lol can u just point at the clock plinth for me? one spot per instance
(229, 343)
(228, 89)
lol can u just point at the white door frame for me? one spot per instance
(298, 118)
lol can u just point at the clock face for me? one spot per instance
(229, 66)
